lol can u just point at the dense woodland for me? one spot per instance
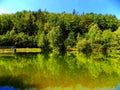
(88, 32)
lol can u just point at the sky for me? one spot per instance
(59, 6)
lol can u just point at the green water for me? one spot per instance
(72, 71)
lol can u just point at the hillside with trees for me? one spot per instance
(88, 32)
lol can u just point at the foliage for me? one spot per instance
(43, 42)
(59, 31)
(56, 39)
(84, 46)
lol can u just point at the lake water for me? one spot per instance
(53, 71)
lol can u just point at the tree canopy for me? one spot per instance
(60, 31)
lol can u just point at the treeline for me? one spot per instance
(58, 32)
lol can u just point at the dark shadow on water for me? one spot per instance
(87, 54)
(11, 82)
(25, 56)
(45, 55)
(8, 88)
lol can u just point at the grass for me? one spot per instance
(28, 50)
(6, 51)
(20, 50)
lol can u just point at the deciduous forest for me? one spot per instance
(88, 32)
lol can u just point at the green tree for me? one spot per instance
(70, 41)
(55, 37)
(21, 40)
(43, 42)
(84, 46)
(84, 23)
(94, 36)
(107, 37)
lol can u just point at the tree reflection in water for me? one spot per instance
(50, 71)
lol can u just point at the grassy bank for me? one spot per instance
(28, 50)
(20, 50)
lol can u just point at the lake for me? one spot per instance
(54, 71)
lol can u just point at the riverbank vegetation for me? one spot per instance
(88, 32)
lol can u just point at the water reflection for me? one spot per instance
(118, 87)
(72, 71)
(8, 88)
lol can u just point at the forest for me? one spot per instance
(88, 32)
